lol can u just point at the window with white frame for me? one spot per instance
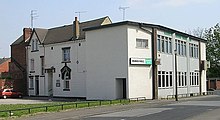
(164, 44)
(31, 82)
(66, 76)
(170, 45)
(141, 43)
(34, 45)
(194, 78)
(66, 54)
(42, 65)
(32, 64)
(158, 43)
(182, 79)
(193, 50)
(165, 79)
(180, 47)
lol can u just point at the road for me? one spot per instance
(198, 108)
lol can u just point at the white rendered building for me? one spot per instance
(103, 60)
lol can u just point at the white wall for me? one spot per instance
(37, 66)
(203, 57)
(140, 76)
(53, 57)
(106, 60)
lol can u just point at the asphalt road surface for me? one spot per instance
(197, 108)
(200, 109)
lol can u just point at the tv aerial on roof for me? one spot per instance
(123, 9)
(79, 13)
(33, 17)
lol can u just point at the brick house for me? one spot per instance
(17, 67)
(4, 73)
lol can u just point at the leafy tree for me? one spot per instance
(212, 35)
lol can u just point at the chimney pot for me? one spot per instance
(27, 33)
(76, 29)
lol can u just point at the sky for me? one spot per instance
(182, 15)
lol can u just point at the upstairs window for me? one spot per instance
(66, 54)
(32, 64)
(141, 43)
(34, 45)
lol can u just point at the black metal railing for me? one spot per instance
(190, 95)
(74, 105)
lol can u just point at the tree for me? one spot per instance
(212, 35)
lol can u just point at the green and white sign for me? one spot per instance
(141, 61)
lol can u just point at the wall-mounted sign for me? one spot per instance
(140, 61)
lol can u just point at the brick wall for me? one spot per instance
(17, 67)
(4, 67)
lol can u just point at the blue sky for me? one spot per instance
(183, 15)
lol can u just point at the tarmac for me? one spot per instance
(85, 112)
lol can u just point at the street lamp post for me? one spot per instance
(176, 85)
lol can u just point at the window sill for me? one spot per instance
(34, 50)
(32, 71)
(66, 62)
(66, 89)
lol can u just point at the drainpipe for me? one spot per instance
(154, 58)
(154, 66)
(200, 70)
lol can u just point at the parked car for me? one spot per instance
(10, 93)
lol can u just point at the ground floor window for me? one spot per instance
(165, 79)
(66, 84)
(182, 79)
(31, 82)
(194, 78)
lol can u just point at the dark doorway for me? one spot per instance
(121, 88)
(37, 87)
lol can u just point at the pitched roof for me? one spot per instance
(2, 60)
(41, 33)
(18, 41)
(65, 33)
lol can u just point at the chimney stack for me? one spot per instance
(76, 29)
(27, 33)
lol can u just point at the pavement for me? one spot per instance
(136, 109)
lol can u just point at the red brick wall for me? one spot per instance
(4, 67)
(18, 55)
(218, 85)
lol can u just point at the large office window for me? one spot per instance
(141, 43)
(182, 79)
(158, 43)
(164, 44)
(170, 46)
(193, 50)
(194, 78)
(165, 79)
(66, 54)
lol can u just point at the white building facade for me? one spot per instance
(116, 61)
(138, 60)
